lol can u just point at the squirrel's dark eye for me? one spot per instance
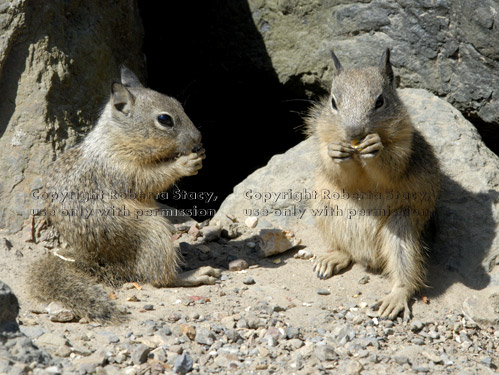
(333, 103)
(165, 119)
(379, 102)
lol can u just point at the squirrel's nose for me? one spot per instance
(197, 137)
(355, 132)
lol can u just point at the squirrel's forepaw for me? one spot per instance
(330, 264)
(340, 152)
(192, 163)
(370, 146)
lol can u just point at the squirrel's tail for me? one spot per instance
(54, 279)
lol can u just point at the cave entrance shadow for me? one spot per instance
(211, 57)
(460, 247)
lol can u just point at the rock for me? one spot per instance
(188, 330)
(54, 308)
(5, 244)
(111, 337)
(482, 310)
(249, 281)
(295, 344)
(211, 233)
(194, 231)
(60, 314)
(486, 361)
(407, 354)
(183, 364)
(416, 325)
(89, 364)
(401, 359)
(344, 334)
(466, 242)
(276, 241)
(427, 39)
(51, 340)
(364, 279)
(292, 333)
(63, 351)
(253, 321)
(159, 354)
(140, 353)
(432, 356)
(323, 292)
(232, 335)
(420, 368)
(32, 332)
(204, 336)
(354, 368)
(251, 222)
(238, 265)
(242, 323)
(325, 353)
(58, 86)
(9, 307)
(303, 254)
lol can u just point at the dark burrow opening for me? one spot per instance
(211, 57)
(488, 132)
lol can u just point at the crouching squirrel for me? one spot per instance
(142, 143)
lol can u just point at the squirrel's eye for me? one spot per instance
(379, 102)
(333, 103)
(165, 119)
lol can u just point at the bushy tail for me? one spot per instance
(53, 279)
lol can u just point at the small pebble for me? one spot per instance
(323, 292)
(251, 222)
(416, 325)
(183, 364)
(364, 279)
(249, 281)
(486, 361)
(303, 254)
(238, 265)
(140, 353)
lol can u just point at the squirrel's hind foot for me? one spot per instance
(201, 276)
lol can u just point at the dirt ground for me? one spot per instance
(300, 320)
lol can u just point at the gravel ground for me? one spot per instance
(265, 316)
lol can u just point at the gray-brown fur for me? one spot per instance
(369, 144)
(128, 152)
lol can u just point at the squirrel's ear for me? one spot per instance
(385, 66)
(121, 99)
(128, 78)
(337, 65)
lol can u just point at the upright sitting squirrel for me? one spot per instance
(142, 143)
(366, 143)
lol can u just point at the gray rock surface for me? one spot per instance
(446, 46)
(468, 212)
(57, 61)
(9, 306)
(16, 350)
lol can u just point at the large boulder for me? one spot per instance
(57, 61)
(446, 46)
(15, 347)
(9, 307)
(467, 239)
